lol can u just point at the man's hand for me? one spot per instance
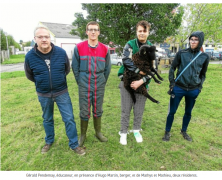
(135, 84)
(142, 73)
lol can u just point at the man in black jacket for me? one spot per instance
(47, 66)
(189, 84)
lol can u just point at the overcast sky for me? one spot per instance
(19, 18)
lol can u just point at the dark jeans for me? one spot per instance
(176, 96)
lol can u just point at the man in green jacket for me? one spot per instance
(132, 47)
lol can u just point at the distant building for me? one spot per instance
(27, 49)
(60, 36)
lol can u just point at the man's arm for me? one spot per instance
(28, 71)
(203, 73)
(127, 58)
(173, 67)
(107, 66)
(67, 65)
(75, 64)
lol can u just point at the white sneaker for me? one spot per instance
(138, 136)
(123, 138)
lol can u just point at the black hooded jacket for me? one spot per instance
(194, 76)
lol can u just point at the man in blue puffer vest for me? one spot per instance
(47, 66)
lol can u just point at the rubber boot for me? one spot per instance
(97, 127)
(84, 126)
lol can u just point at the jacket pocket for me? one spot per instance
(83, 64)
(101, 63)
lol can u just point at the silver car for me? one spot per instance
(115, 59)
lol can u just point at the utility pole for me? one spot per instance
(7, 46)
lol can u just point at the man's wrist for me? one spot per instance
(137, 70)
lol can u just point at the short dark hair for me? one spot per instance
(92, 23)
(143, 23)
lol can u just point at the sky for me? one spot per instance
(19, 18)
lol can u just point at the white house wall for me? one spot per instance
(67, 44)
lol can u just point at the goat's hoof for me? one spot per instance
(158, 102)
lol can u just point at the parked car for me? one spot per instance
(217, 55)
(171, 56)
(220, 55)
(19, 52)
(115, 59)
(157, 61)
(160, 55)
(210, 54)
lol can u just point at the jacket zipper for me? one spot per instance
(50, 76)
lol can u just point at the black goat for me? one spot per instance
(144, 61)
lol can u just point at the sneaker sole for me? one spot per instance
(123, 144)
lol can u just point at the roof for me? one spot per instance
(60, 30)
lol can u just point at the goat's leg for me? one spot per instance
(146, 94)
(155, 71)
(152, 75)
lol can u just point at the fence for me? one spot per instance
(4, 55)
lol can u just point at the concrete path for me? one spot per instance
(20, 66)
(12, 67)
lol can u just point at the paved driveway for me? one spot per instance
(20, 66)
(12, 67)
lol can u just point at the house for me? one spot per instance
(210, 46)
(60, 36)
(27, 49)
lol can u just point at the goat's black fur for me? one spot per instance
(144, 61)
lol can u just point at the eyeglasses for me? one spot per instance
(91, 30)
(194, 40)
(43, 37)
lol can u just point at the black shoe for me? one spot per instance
(166, 136)
(185, 135)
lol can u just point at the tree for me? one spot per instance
(26, 44)
(3, 41)
(117, 21)
(204, 17)
(12, 42)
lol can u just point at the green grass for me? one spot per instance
(20, 58)
(22, 133)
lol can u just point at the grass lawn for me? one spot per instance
(22, 133)
(20, 58)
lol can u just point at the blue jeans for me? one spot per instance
(65, 107)
(176, 96)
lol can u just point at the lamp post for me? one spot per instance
(7, 46)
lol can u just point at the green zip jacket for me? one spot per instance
(131, 48)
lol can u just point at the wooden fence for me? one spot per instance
(4, 55)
